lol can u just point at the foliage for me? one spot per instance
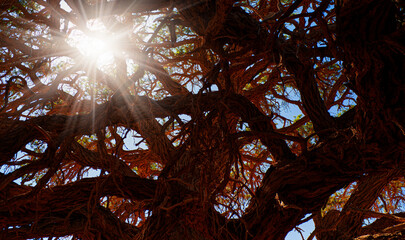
(201, 119)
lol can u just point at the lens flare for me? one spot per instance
(95, 44)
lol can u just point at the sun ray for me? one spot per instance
(95, 44)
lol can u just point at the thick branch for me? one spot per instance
(349, 222)
(102, 223)
(19, 209)
(92, 159)
(131, 110)
(310, 96)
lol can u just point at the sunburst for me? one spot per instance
(95, 44)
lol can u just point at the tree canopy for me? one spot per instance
(182, 119)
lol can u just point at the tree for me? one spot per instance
(183, 127)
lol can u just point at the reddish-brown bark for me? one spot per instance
(244, 56)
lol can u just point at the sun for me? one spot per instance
(98, 48)
(95, 44)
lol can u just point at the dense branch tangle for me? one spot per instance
(190, 129)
